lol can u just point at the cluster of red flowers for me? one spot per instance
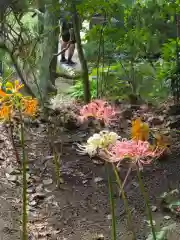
(138, 149)
(100, 110)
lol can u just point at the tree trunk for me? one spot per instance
(85, 74)
(51, 23)
(53, 65)
(41, 8)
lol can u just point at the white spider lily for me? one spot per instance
(107, 138)
(94, 140)
(89, 149)
(98, 141)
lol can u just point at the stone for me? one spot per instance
(32, 203)
(99, 237)
(98, 179)
(11, 178)
(153, 208)
(47, 181)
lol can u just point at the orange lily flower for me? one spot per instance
(139, 130)
(5, 112)
(29, 106)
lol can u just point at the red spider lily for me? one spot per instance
(135, 150)
(98, 109)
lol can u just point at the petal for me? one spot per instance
(18, 85)
(2, 94)
(9, 85)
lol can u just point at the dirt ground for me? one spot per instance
(80, 208)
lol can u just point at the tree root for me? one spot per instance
(64, 75)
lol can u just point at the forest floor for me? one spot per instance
(80, 209)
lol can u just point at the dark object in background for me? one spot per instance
(4, 4)
(97, 19)
(17, 6)
(174, 110)
(1, 69)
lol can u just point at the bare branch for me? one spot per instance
(36, 11)
(3, 46)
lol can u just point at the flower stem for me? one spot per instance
(112, 205)
(125, 180)
(24, 167)
(145, 195)
(13, 143)
(57, 168)
(128, 212)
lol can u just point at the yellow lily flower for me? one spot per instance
(11, 89)
(14, 87)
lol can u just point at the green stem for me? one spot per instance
(128, 212)
(13, 142)
(111, 198)
(24, 167)
(125, 180)
(145, 195)
(57, 166)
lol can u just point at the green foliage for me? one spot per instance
(163, 233)
(140, 31)
(30, 24)
(119, 81)
(169, 49)
(76, 91)
(8, 69)
(144, 31)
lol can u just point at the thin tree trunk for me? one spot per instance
(53, 65)
(85, 74)
(51, 23)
